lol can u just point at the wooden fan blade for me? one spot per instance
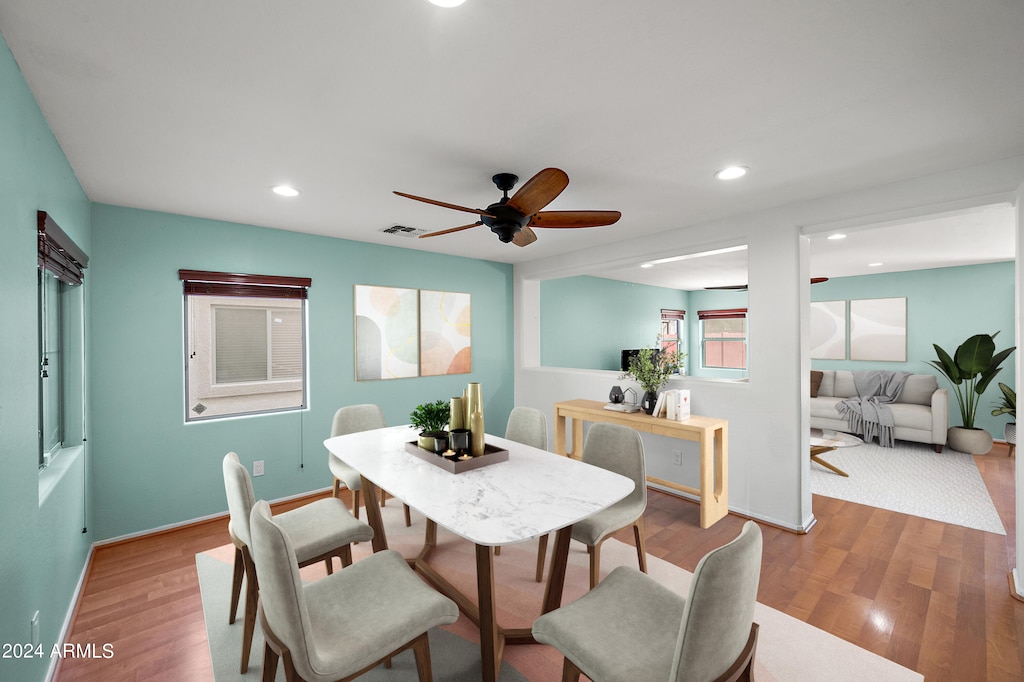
(539, 191)
(524, 237)
(728, 287)
(445, 205)
(574, 218)
(450, 230)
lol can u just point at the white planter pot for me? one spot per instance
(1010, 433)
(971, 441)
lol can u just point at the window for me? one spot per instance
(671, 323)
(61, 264)
(245, 343)
(724, 338)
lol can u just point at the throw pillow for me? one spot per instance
(816, 378)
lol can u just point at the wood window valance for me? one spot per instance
(728, 314)
(206, 283)
(58, 253)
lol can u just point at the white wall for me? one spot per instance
(768, 416)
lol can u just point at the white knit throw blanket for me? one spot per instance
(869, 413)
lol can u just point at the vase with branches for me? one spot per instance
(652, 368)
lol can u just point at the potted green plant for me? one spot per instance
(430, 419)
(971, 369)
(651, 369)
(1007, 404)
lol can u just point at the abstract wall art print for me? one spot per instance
(878, 329)
(445, 338)
(386, 332)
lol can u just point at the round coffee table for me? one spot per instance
(825, 440)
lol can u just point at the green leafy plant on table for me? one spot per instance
(652, 369)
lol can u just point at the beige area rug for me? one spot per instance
(788, 649)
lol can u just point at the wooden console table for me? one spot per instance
(712, 434)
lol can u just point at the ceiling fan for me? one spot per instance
(511, 218)
(743, 287)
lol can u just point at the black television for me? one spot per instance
(629, 354)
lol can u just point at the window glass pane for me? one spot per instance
(240, 347)
(50, 363)
(725, 343)
(243, 355)
(286, 343)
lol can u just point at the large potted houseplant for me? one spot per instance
(971, 369)
(430, 419)
(1007, 404)
(651, 369)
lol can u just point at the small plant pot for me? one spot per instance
(1010, 433)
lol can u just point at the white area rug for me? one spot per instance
(911, 478)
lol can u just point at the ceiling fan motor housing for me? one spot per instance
(507, 221)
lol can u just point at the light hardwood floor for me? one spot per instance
(930, 596)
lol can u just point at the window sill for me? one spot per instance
(52, 474)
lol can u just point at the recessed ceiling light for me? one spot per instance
(286, 191)
(731, 173)
(875, 265)
(837, 236)
(647, 265)
(447, 3)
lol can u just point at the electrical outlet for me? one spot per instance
(257, 468)
(677, 457)
(35, 629)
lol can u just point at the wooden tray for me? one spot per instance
(492, 455)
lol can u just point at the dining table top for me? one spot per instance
(531, 494)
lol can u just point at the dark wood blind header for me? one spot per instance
(206, 283)
(57, 252)
(667, 314)
(731, 313)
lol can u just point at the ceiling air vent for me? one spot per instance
(403, 231)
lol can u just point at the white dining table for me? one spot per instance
(533, 493)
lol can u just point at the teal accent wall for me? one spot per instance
(44, 548)
(944, 306)
(151, 468)
(585, 321)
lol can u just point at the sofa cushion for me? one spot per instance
(825, 406)
(918, 389)
(911, 416)
(816, 378)
(844, 387)
(828, 383)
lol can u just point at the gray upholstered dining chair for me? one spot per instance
(615, 448)
(343, 625)
(528, 426)
(632, 628)
(320, 531)
(353, 419)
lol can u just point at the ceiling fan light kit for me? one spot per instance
(511, 218)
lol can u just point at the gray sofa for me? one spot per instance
(921, 414)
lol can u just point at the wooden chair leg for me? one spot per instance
(355, 503)
(570, 673)
(408, 517)
(641, 549)
(542, 552)
(236, 584)
(421, 650)
(269, 664)
(346, 556)
(252, 592)
(595, 564)
(329, 563)
(336, 491)
(497, 551)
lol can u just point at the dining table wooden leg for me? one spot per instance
(556, 574)
(373, 517)
(491, 640)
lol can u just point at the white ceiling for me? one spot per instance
(198, 108)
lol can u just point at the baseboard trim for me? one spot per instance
(72, 614)
(198, 520)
